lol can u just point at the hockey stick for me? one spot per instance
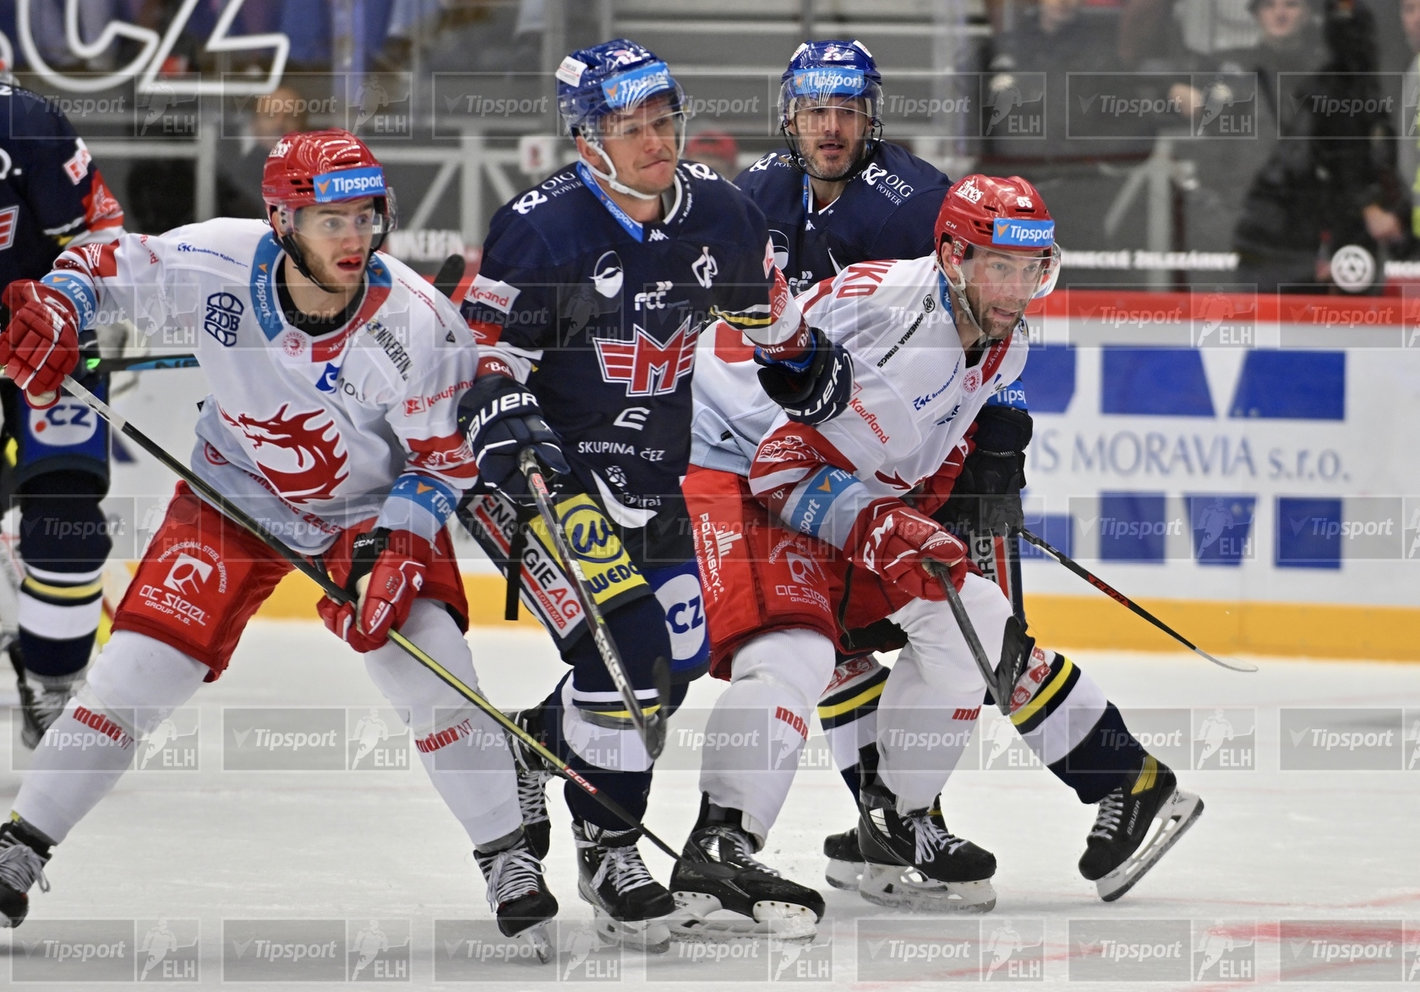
(337, 593)
(447, 279)
(652, 729)
(139, 363)
(994, 678)
(1123, 600)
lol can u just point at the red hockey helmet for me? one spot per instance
(995, 214)
(310, 167)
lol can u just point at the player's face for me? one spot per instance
(999, 285)
(336, 240)
(1281, 18)
(830, 135)
(644, 145)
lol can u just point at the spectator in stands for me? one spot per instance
(717, 149)
(272, 115)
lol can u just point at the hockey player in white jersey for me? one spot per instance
(802, 532)
(335, 375)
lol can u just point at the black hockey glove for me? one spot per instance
(987, 494)
(501, 417)
(814, 388)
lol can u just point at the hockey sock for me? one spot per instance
(848, 713)
(1109, 757)
(64, 541)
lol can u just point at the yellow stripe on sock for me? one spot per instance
(86, 591)
(626, 714)
(1046, 693)
(1147, 774)
(872, 692)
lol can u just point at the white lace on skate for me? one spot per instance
(532, 793)
(1110, 814)
(20, 866)
(510, 874)
(906, 887)
(624, 867)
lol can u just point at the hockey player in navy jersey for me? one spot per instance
(844, 544)
(594, 286)
(52, 197)
(335, 373)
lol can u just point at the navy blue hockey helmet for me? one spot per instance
(616, 76)
(823, 73)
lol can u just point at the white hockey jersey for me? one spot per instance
(914, 398)
(306, 434)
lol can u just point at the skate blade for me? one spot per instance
(775, 920)
(651, 936)
(1174, 818)
(536, 937)
(843, 874)
(904, 887)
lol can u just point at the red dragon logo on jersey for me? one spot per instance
(304, 461)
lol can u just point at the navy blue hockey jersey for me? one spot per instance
(601, 315)
(887, 211)
(51, 196)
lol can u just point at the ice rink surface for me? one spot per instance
(218, 864)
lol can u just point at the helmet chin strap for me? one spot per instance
(871, 140)
(610, 177)
(961, 304)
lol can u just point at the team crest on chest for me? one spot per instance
(648, 367)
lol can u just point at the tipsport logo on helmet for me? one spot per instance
(349, 184)
(630, 88)
(1022, 233)
(829, 82)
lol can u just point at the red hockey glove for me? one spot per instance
(896, 542)
(387, 570)
(40, 345)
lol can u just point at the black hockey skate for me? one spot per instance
(533, 776)
(23, 856)
(1117, 853)
(718, 871)
(628, 905)
(518, 895)
(845, 862)
(951, 874)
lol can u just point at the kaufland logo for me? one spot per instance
(630, 88)
(1022, 233)
(349, 183)
(829, 81)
